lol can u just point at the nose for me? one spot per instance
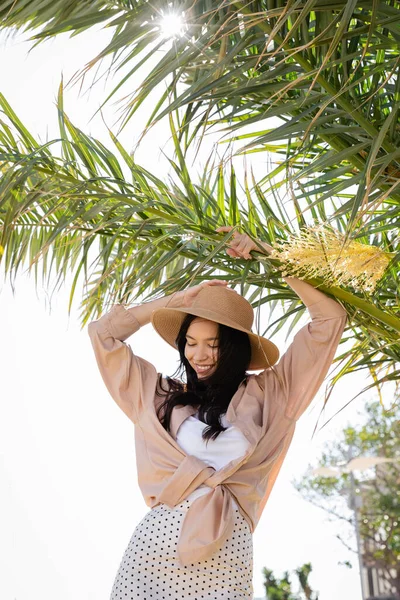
(200, 355)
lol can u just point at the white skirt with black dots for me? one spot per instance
(150, 568)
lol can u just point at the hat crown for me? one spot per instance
(227, 303)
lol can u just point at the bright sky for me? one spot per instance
(70, 500)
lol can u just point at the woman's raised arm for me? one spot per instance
(129, 377)
(302, 369)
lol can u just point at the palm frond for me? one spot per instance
(75, 206)
(315, 84)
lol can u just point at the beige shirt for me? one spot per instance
(265, 410)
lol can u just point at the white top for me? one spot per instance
(230, 444)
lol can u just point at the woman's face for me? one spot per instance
(201, 348)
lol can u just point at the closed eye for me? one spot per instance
(191, 345)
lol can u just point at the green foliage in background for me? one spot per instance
(377, 488)
(281, 589)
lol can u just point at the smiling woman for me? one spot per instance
(214, 358)
(201, 349)
(209, 452)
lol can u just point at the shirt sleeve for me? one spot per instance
(304, 366)
(127, 377)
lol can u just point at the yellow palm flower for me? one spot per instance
(324, 252)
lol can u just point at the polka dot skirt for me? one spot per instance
(150, 567)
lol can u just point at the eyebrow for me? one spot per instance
(207, 340)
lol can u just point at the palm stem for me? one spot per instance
(342, 294)
(366, 307)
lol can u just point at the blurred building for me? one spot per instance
(376, 583)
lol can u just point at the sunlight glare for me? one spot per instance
(171, 25)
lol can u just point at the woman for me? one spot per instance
(209, 450)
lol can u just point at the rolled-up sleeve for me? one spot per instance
(127, 377)
(305, 364)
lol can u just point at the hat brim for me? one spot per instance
(167, 323)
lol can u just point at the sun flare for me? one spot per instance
(171, 25)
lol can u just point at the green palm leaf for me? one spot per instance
(76, 213)
(318, 87)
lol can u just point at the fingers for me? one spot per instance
(218, 282)
(215, 282)
(224, 228)
(236, 235)
(240, 253)
(240, 245)
(244, 247)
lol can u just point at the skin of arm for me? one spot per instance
(143, 312)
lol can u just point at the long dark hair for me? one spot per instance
(212, 394)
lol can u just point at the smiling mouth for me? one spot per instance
(204, 369)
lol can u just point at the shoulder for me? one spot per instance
(267, 382)
(258, 379)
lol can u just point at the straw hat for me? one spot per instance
(222, 305)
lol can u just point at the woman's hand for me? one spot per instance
(187, 297)
(241, 244)
(181, 299)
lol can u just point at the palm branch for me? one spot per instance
(328, 72)
(73, 205)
